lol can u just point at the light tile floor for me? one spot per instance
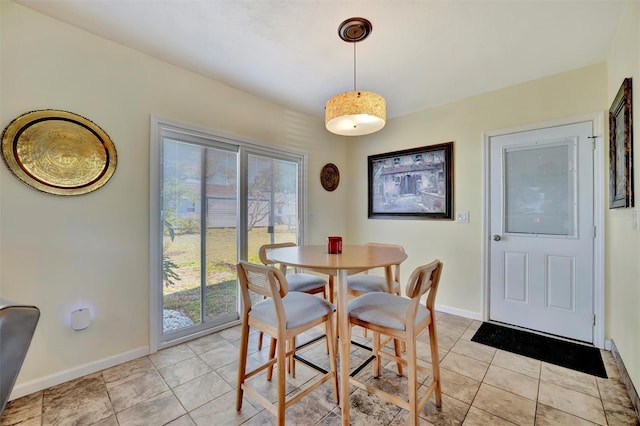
(194, 384)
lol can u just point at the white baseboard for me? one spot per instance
(27, 388)
(626, 379)
(460, 312)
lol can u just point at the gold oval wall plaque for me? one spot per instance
(58, 152)
(330, 177)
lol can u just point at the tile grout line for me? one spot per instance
(600, 386)
(481, 381)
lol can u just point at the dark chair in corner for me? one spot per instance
(403, 318)
(17, 325)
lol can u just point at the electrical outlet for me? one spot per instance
(462, 217)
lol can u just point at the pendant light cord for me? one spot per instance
(354, 66)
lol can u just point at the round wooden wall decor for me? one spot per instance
(58, 152)
(330, 177)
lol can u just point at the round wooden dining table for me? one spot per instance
(353, 259)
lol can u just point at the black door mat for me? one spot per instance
(575, 356)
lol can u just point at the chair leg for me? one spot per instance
(396, 347)
(435, 361)
(331, 344)
(281, 375)
(412, 378)
(403, 343)
(292, 360)
(376, 352)
(331, 288)
(326, 346)
(272, 353)
(242, 363)
(260, 335)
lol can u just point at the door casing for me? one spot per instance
(597, 120)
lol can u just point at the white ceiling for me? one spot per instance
(420, 54)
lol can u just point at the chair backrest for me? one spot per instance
(396, 267)
(263, 253)
(424, 279)
(265, 281)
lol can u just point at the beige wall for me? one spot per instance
(61, 253)
(459, 245)
(623, 243)
(64, 252)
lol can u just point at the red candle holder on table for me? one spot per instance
(334, 245)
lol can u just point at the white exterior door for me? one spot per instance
(542, 230)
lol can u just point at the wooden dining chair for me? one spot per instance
(282, 315)
(297, 281)
(364, 282)
(403, 318)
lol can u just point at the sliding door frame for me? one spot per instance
(218, 139)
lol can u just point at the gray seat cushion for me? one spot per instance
(365, 283)
(300, 309)
(304, 282)
(384, 309)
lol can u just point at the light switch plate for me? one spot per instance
(462, 217)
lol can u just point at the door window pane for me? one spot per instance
(181, 254)
(539, 190)
(222, 234)
(272, 203)
(200, 249)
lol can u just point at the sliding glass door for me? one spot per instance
(200, 239)
(272, 204)
(219, 201)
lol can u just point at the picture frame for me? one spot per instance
(413, 183)
(621, 149)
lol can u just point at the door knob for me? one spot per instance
(497, 237)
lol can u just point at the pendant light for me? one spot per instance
(357, 112)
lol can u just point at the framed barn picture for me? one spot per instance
(414, 183)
